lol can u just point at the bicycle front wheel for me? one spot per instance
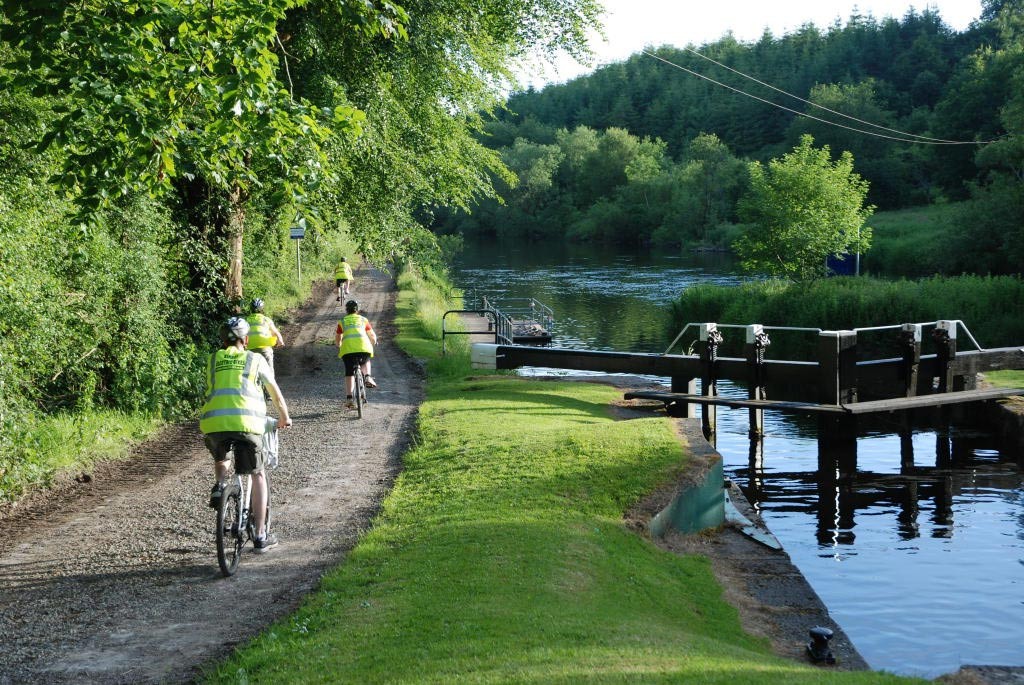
(230, 536)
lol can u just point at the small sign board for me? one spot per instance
(298, 231)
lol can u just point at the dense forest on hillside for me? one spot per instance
(644, 152)
(153, 157)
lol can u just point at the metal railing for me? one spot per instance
(957, 325)
(499, 326)
(526, 311)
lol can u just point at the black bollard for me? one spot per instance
(818, 648)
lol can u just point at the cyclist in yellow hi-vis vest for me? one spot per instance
(263, 334)
(234, 416)
(343, 278)
(355, 339)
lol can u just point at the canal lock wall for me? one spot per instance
(773, 598)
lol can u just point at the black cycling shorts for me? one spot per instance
(354, 359)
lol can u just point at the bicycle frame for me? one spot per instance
(244, 484)
(360, 389)
(235, 521)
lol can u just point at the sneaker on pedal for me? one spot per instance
(263, 544)
(215, 495)
(350, 403)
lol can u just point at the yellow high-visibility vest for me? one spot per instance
(354, 337)
(259, 332)
(234, 394)
(344, 271)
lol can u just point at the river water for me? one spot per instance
(920, 560)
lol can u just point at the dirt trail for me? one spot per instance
(116, 579)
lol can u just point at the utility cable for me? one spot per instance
(831, 111)
(919, 141)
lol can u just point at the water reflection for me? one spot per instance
(590, 287)
(920, 527)
(836, 489)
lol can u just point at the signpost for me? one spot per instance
(298, 232)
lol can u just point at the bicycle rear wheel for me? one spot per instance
(230, 536)
(360, 392)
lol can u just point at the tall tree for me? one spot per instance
(423, 99)
(714, 177)
(997, 211)
(252, 94)
(154, 92)
(802, 208)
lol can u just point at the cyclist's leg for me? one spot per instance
(350, 361)
(367, 378)
(259, 503)
(219, 445)
(249, 458)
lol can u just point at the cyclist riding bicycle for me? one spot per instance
(355, 339)
(343, 278)
(263, 334)
(233, 418)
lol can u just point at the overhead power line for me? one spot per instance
(814, 104)
(902, 137)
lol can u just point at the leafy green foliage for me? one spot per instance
(610, 187)
(911, 74)
(800, 209)
(422, 97)
(153, 91)
(917, 242)
(990, 236)
(181, 139)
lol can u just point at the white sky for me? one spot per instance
(631, 25)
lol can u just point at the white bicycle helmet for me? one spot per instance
(234, 329)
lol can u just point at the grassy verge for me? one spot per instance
(1005, 379)
(501, 555)
(67, 442)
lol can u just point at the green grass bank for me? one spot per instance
(501, 555)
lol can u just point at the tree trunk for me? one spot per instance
(236, 224)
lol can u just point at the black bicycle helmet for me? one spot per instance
(257, 305)
(234, 329)
(351, 307)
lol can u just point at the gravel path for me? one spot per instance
(115, 580)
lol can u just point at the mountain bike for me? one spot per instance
(235, 524)
(360, 391)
